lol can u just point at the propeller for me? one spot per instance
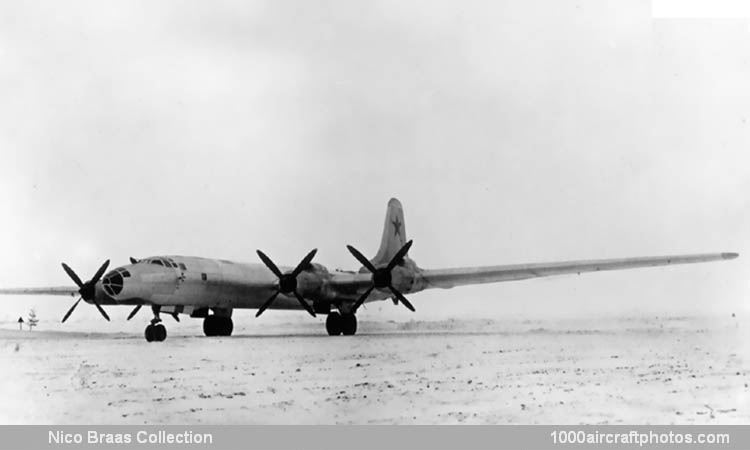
(87, 289)
(287, 281)
(134, 312)
(381, 278)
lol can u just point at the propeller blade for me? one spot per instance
(361, 258)
(304, 263)
(362, 298)
(265, 305)
(267, 261)
(133, 260)
(383, 275)
(99, 273)
(134, 312)
(401, 297)
(70, 311)
(101, 310)
(72, 275)
(304, 303)
(287, 282)
(399, 256)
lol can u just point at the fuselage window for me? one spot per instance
(182, 266)
(204, 277)
(157, 262)
(125, 273)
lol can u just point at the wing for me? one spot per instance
(448, 278)
(59, 290)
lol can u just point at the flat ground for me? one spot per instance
(680, 370)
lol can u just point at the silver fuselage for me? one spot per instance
(214, 283)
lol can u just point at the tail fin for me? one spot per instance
(394, 233)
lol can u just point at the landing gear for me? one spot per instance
(348, 324)
(217, 326)
(333, 324)
(156, 332)
(345, 324)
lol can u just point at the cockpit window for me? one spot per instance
(166, 262)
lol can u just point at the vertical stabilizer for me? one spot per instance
(394, 233)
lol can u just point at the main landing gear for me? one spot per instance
(217, 326)
(156, 331)
(345, 324)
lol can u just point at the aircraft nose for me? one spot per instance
(113, 282)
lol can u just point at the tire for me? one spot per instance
(160, 333)
(333, 324)
(218, 326)
(149, 333)
(226, 326)
(348, 324)
(209, 326)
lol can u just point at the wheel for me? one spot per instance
(209, 326)
(226, 326)
(160, 332)
(149, 333)
(333, 324)
(218, 326)
(348, 324)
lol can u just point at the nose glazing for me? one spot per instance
(114, 281)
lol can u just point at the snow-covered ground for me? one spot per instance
(657, 370)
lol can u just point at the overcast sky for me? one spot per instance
(512, 131)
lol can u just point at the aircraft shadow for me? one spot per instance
(366, 334)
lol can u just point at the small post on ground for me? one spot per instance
(20, 323)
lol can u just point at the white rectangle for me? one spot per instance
(700, 9)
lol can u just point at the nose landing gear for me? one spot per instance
(156, 331)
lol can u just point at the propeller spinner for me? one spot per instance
(87, 289)
(381, 278)
(287, 281)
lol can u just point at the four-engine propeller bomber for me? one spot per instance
(212, 288)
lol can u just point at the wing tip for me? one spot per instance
(729, 255)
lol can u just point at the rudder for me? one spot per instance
(394, 233)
